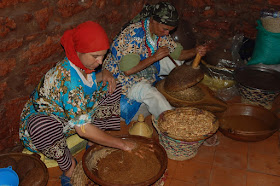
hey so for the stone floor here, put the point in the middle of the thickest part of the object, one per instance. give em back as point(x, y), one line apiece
point(231, 163)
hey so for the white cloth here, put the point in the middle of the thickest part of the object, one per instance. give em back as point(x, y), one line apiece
point(87, 81)
point(144, 92)
point(166, 65)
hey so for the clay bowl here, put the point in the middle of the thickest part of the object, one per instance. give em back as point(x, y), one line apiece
point(158, 150)
point(29, 168)
point(250, 123)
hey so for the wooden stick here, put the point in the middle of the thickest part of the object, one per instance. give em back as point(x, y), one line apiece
point(173, 61)
point(196, 61)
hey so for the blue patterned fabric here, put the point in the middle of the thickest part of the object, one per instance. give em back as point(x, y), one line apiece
point(63, 95)
point(132, 40)
point(128, 108)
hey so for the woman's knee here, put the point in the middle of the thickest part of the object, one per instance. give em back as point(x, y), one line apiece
point(118, 90)
point(42, 123)
point(153, 92)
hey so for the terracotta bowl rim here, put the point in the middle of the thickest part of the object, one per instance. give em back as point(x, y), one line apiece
point(276, 122)
point(149, 182)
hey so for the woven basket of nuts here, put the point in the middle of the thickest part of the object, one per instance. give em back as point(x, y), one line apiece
point(183, 130)
point(188, 124)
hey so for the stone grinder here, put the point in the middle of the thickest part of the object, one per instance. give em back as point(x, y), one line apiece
point(184, 76)
point(182, 88)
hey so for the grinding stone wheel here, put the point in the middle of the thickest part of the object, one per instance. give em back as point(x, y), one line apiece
point(184, 76)
point(208, 101)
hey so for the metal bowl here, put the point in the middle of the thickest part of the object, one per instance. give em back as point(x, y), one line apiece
point(258, 85)
point(159, 151)
point(250, 123)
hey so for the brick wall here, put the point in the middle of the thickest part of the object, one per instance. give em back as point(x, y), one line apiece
point(30, 31)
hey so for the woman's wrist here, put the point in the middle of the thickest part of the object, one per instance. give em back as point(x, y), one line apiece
point(99, 76)
point(154, 58)
point(120, 144)
point(193, 51)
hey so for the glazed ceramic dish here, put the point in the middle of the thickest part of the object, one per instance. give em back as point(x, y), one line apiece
point(245, 122)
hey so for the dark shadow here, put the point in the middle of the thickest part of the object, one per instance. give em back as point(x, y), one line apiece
point(184, 35)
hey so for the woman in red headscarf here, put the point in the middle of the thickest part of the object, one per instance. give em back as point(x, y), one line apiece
point(72, 98)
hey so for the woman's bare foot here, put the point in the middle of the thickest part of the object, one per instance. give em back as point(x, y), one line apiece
point(90, 143)
point(70, 171)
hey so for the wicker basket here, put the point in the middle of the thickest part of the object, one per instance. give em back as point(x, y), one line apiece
point(258, 85)
point(181, 150)
point(257, 96)
point(188, 124)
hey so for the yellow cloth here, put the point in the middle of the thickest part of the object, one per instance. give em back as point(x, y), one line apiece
point(75, 144)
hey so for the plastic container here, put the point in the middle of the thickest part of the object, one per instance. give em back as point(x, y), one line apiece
point(8, 177)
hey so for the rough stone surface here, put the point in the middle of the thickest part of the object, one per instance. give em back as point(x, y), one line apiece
point(3, 87)
point(10, 44)
point(42, 17)
point(274, 2)
point(6, 25)
point(7, 66)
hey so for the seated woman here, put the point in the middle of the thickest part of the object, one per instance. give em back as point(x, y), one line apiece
point(139, 58)
point(72, 98)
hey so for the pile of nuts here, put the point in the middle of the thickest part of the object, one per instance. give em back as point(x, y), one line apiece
point(187, 122)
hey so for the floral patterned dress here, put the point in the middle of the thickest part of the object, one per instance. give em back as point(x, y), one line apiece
point(134, 39)
point(63, 95)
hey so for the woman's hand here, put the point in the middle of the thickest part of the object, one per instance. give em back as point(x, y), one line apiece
point(144, 148)
point(94, 134)
point(128, 145)
point(201, 50)
point(108, 77)
point(161, 53)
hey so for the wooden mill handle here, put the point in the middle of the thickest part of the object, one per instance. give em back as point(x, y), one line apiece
point(196, 61)
point(173, 61)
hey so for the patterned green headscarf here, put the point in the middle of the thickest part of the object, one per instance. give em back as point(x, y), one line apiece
point(165, 13)
point(162, 12)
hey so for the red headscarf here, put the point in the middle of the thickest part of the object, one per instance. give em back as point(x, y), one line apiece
point(85, 38)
